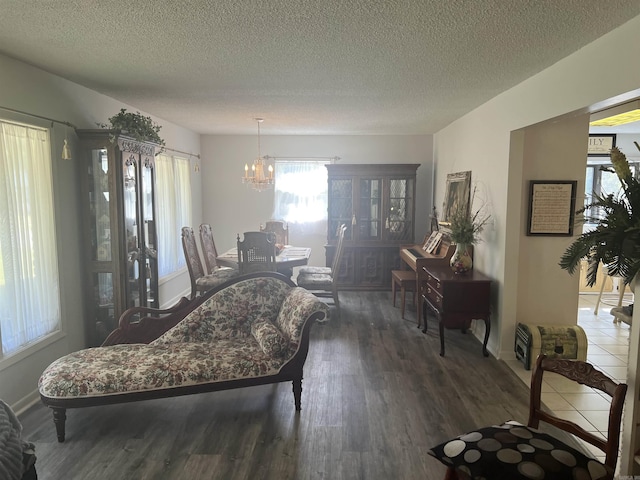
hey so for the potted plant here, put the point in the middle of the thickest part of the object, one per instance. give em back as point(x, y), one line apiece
point(465, 230)
point(615, 240)
point(136, 125)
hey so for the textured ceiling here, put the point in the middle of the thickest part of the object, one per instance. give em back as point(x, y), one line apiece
point(306, 66)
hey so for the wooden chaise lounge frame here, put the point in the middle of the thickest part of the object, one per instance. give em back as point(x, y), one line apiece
point(155, 322)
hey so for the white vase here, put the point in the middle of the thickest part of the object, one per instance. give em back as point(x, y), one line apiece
point(461, 261)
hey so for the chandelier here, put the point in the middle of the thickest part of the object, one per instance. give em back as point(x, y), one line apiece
point(258, 178)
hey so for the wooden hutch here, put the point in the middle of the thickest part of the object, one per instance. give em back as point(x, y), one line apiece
point(377, 203)
point(121, 261)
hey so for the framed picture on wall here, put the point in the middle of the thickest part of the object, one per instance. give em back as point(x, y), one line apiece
point(552, 205)
point(457, 195)
point(600, 144)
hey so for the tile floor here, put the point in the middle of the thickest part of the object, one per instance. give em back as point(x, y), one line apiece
point(607, 350)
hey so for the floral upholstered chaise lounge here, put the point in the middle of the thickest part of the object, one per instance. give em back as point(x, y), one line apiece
point(252, 330)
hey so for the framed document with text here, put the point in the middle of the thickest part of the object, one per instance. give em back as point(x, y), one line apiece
point(552, 206)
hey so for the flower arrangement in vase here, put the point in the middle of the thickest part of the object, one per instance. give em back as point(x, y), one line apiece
point(465, 230)
point(615, 240)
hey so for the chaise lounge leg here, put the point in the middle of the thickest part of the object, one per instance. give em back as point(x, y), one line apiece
point(59, 417)
point(297, 393)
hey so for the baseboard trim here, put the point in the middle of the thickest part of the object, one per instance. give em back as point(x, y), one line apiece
point(25, 403)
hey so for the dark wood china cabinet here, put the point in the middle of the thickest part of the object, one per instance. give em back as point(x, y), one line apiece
point(121, 261)
point(377, 203)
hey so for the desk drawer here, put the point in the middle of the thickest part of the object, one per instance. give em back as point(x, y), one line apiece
point(434, 283)
point(433, 296)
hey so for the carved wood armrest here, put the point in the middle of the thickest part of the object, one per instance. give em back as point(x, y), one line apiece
point(152, 324)
point(147, 312)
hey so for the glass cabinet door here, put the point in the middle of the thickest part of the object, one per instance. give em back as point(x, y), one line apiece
point(100, 246)
point(100, 217)
point(399, 215)
point(340, 207)
point(369, 215)
point(130, 183)
point(150, 280)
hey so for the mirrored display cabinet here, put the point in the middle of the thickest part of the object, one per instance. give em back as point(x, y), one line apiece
point(118, 179)
point(377, 203)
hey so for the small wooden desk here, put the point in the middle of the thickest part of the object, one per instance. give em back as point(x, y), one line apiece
point(415, 258)
point(455, 300)
point(288, 258)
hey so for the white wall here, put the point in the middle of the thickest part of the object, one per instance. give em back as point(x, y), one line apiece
point(34, 91)
point(552, 151)
point(233, 208)
point(482, 141)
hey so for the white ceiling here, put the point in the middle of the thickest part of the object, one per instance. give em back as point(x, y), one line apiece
point(306, 66)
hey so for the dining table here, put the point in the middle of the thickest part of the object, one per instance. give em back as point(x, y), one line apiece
point(289, 257)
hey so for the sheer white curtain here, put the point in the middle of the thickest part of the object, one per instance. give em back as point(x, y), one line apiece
point(301, 194)
point(29, 282)
point(173, 210)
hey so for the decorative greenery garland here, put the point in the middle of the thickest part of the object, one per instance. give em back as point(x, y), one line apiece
point(136, 125)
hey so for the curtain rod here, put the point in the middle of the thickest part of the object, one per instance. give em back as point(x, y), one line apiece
point(335, 159)
point(179, 151)
point(68, 124)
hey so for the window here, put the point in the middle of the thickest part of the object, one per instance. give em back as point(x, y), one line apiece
point(29, 282)
point(600, 182)
point(301, 194)
point(173, 210)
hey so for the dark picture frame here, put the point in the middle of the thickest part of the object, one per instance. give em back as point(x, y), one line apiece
point(600, 144)
point(552, 205)
point(457, 195)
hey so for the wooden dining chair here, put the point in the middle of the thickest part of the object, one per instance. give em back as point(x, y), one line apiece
point(279, 228)
point(201, 282)
point(257, 252)
point(523, 452)
point(209, 251)
point(323, 281)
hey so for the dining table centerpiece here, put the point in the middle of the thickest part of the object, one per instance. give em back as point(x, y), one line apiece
point(615, 240)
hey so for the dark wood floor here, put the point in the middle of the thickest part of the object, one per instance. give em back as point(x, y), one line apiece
point(376, 396)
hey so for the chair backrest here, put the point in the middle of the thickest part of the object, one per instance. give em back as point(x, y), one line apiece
point(280, 229)
point(257, 252)
point(585, 374)
point(194, 264)
point(208, 247)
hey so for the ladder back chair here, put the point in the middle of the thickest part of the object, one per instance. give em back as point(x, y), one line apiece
point(279, 228)
point(209, 251)
point(200, 282)
point(524, 452)
point(257, 252)
point(323, 281)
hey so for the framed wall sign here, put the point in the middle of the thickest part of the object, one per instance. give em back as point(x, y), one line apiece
point(552, 206)
point(600, 144)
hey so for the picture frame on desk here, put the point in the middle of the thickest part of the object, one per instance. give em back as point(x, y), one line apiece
point(429, 240)
point(433, 243)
